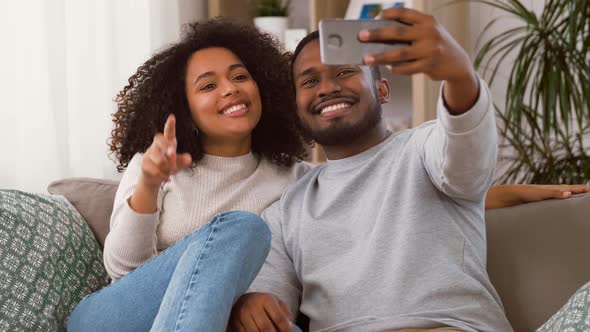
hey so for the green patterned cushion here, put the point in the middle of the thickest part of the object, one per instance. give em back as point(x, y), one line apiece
point(49, 260)
point(574, 316)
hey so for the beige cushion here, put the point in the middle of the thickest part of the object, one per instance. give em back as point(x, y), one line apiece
point(93, 198)
point(538, 257)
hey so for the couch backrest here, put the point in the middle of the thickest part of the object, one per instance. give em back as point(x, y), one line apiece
point(93, 198)
point(538, 257)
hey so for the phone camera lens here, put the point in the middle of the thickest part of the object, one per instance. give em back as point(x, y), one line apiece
point(334, 41)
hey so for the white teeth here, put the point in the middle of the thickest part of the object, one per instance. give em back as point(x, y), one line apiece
point(336, 107)
point(234, 109)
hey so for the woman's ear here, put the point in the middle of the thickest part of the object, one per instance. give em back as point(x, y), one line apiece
point(383, 90)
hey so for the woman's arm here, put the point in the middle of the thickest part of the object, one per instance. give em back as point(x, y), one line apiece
point(514, 194)
point(132, 237)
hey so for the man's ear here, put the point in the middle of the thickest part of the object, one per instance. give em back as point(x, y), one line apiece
point(382, 86)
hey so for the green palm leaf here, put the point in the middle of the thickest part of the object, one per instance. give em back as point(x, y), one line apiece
point(546, 118)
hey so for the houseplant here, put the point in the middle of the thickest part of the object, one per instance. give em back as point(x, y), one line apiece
point(545, 123)
point(272, 17)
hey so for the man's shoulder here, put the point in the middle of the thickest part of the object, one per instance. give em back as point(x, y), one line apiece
point(300, 168)
point(420, 133)
point(310, 176)
point(408, 140)
point(291, 199)
point(299, 188)
point(293, 172)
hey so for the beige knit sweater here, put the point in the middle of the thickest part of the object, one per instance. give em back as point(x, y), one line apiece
point(190, 200)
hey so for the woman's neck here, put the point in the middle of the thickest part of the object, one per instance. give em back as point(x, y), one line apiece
point(227, 148)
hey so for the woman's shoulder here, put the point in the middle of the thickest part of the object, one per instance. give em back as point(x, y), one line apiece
point(133, 168)
point(136, 159)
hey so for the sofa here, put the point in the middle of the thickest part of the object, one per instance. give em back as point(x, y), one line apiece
point(537, 252)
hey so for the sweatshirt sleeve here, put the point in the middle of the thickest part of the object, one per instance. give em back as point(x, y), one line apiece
point(132, 237)
point(459, 151)
point(277, 275)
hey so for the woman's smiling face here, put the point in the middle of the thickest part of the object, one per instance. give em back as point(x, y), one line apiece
point(222, 95)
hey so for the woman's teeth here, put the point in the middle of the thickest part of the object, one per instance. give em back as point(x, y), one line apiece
point(333, 108)
point(234, 109)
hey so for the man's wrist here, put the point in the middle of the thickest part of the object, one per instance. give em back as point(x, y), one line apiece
point(467, 76)
point(461, 93)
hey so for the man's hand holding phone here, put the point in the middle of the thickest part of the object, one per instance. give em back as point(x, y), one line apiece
point(432, 51)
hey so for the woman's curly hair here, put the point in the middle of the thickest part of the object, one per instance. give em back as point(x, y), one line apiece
point(157, 89)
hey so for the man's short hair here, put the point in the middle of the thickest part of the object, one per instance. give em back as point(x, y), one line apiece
point(316, 35)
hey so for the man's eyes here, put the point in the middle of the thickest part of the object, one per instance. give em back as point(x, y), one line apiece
point(309, 81)
point(345, 72)
point(341, 73)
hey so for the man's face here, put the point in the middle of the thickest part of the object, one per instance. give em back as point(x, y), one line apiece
point(336, 104)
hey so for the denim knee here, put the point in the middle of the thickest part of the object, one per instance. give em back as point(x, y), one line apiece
point(80, 317)
point(73, 323)
point(249, 225)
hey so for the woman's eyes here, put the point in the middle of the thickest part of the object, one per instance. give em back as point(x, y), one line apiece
point(208, 87)
point(241, 77)
point(211, 86)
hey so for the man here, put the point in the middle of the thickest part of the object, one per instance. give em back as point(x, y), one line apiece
point(388, 234)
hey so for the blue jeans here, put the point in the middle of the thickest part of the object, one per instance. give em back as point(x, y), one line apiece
point(191, 286)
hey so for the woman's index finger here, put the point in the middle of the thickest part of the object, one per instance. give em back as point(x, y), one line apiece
point(170, 127)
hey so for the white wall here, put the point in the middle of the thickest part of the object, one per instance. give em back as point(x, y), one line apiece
point(61, 64)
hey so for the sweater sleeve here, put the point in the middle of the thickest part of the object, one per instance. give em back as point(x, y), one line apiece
point(277, 275)
point(132, 237)
point(459, 151)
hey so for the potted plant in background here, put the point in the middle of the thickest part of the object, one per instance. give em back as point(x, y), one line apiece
point(546, 119)
point(272, 16)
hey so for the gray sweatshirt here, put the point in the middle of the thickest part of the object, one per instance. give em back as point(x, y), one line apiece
point(393, 237)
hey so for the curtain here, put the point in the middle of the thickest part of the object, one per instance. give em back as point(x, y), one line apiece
point(61, 64)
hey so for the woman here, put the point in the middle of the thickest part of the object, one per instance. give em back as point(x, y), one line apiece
point(230, 141)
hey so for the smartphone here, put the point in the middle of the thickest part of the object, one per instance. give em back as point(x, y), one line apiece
point(339, 43)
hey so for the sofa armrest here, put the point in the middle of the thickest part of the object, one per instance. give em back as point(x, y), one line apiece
point(538, 257)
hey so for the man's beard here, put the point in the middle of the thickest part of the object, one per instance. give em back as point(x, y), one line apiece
point(339, 133)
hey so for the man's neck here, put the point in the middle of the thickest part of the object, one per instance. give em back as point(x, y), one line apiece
point(377, 135)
